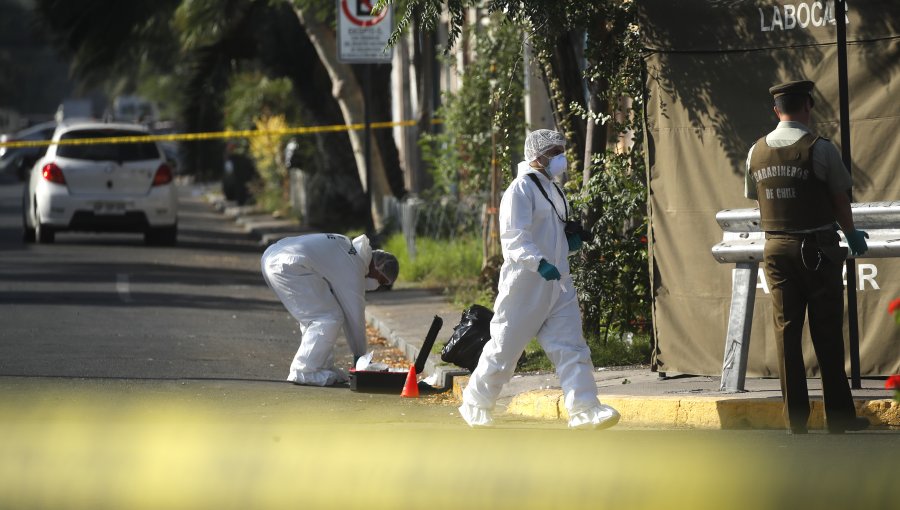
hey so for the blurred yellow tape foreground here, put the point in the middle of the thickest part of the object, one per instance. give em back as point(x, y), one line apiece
point(217, 135)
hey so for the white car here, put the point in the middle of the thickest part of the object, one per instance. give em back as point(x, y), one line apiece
point(101, 187)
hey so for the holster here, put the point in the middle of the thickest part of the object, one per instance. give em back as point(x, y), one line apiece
point(827, 242)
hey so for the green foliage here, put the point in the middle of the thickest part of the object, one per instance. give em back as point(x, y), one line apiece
point(202, 22)
point(427, 14)
point(611, 274)
point(252, 94)
point(266, 152)
point(162, 89)
point(534, 359)
point(250, 103)
point(110, 37)
point(487, 112)
point(323, 12)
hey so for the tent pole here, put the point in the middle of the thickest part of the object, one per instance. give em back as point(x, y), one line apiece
point(853, 325)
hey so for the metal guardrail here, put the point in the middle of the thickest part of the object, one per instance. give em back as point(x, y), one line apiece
point(742, 245)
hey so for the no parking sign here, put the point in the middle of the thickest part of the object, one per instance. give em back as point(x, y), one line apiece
point(363, 36)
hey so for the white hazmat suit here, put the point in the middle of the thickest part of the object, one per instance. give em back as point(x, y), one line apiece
point(321, 280)
point(529, 306)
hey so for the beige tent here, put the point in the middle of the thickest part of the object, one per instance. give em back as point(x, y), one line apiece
point(709, 65)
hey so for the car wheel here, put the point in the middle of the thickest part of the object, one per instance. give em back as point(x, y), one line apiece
point(162, 236)
point(27, 232)
point(43, 234)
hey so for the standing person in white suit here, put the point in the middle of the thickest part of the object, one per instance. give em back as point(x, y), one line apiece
point(536, 295)
point(321, 279)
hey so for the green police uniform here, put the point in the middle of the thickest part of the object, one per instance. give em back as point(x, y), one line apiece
point(792, 173)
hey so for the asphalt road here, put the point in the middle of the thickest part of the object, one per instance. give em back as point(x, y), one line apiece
point(107, 306)
point(138, 377)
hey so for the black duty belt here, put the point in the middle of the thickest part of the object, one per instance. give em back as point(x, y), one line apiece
point(781, 233)
point(815, 247)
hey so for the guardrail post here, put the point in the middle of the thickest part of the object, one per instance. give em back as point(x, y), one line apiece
point(740, 320)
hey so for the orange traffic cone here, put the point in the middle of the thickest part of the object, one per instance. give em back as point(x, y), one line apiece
point(411, 388)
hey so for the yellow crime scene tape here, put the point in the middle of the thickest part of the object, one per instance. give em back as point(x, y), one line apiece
point(215, 135)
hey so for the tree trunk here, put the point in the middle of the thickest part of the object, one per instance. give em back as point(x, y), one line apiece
point(380, 111)
point(566, 68)
point(349, 95)
point(336, 196)
point(424, 62)
point(401, 91)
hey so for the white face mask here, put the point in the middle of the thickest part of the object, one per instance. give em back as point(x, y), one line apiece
point(372, 284)
point(557, 165)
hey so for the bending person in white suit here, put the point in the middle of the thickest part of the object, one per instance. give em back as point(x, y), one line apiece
point(322, 279)
point(536, 295)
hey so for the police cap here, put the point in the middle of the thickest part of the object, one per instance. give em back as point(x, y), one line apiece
point(792, 87)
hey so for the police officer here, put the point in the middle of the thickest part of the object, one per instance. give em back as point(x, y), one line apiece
point(802, 188)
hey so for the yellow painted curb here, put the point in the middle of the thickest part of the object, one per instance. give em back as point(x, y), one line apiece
point(697, 411)
point(547, 404)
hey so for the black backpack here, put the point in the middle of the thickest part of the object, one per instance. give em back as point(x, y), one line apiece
point(469, 337)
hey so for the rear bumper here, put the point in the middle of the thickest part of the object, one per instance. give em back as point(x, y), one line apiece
point(87, 221)
point(62, 211)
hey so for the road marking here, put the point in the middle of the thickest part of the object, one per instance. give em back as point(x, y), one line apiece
point(123, 288)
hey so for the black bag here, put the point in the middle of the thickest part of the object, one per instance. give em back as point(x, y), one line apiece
point(468, 338)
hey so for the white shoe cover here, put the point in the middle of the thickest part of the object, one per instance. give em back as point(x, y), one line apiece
point(598, 418)
point(476, 416)
point(319, 377)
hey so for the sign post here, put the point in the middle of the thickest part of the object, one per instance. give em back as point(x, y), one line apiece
point(362, 35)
point(362, 38)
point(843, 89)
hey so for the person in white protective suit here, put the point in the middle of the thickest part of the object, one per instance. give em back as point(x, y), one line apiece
point(536, 295)
point(321, 279)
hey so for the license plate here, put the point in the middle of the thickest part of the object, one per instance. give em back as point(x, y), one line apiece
point(109, 208)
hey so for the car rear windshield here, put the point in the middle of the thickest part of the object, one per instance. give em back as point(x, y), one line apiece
point(106, 151)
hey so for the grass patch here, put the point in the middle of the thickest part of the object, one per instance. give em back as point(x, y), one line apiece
point(449, 264)
point(616, 351)
point(534, 359)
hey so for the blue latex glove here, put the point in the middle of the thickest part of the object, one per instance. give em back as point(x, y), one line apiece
point(548, 271)
point(575, 242)
point(856, 240)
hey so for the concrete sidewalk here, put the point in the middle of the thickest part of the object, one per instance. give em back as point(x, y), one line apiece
point(644, 399)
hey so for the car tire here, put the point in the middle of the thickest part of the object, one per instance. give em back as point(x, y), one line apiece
point(43, 234)
point(162, 236)
point(28, 234)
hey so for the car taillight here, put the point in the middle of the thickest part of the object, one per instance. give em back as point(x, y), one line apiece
point(163, 175)
point(52, 173)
